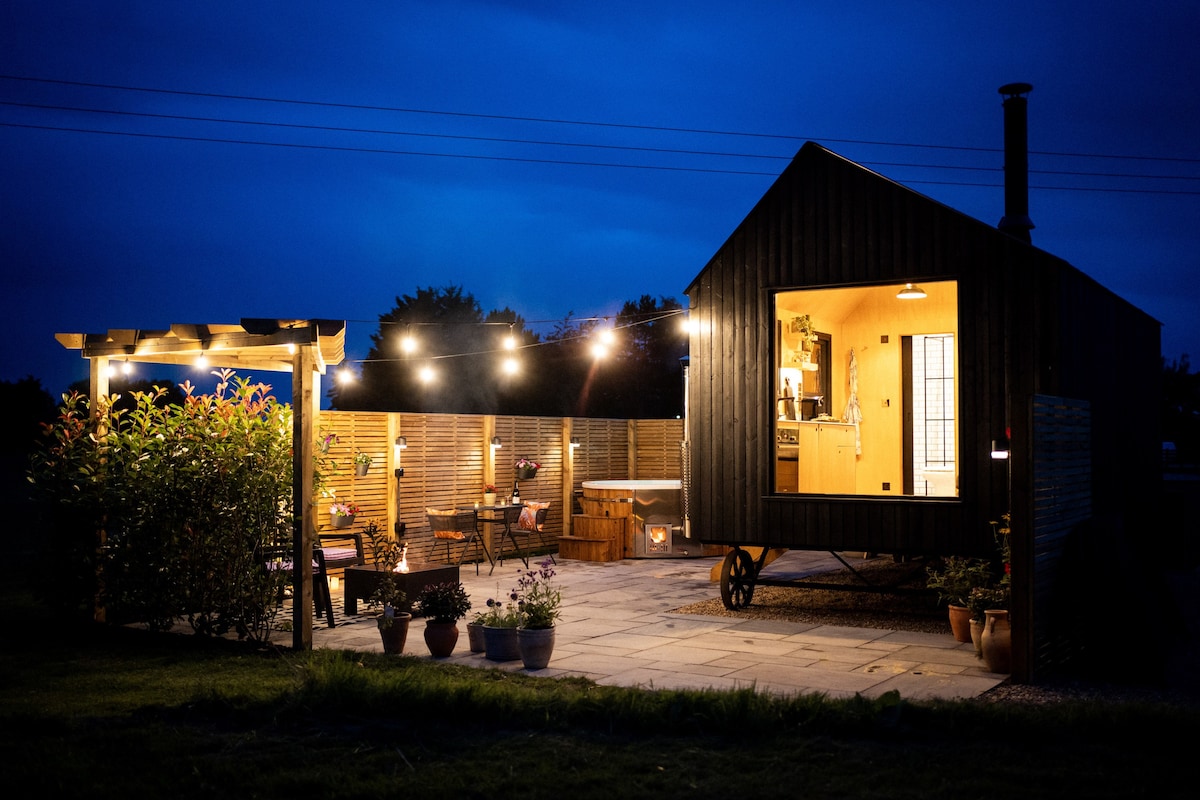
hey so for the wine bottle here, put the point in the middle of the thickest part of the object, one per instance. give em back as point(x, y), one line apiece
point(516, 495)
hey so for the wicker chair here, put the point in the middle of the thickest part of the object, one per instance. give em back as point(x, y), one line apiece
point(459, 527)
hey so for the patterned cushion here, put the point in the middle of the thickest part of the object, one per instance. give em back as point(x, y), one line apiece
point(529, 515)
point(444, 534)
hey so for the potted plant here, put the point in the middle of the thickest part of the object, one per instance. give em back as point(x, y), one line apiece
point(539, 602)
point(489, 494)
point(341, 515)
point(394, 621)
point(325, 440)
point(475, 632)
point(442, 605)
point(953, 579)
point(527, 469)
point(500, 623)
point(362, 463)
point(995, 641)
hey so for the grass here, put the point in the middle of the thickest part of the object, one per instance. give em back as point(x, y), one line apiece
point(105, 712)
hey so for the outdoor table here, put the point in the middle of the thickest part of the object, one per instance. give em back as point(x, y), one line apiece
point(361, 581)
point(501, 514)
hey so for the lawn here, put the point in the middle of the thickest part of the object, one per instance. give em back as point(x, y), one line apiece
point(107, 712)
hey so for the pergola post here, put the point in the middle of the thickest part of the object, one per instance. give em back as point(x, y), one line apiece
point(305, 408)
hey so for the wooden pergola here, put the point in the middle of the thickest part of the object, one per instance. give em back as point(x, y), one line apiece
point(305, 348)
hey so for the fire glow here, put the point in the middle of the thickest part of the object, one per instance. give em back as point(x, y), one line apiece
point(403, 565)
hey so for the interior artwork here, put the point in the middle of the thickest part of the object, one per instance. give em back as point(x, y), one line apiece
point(844, 387)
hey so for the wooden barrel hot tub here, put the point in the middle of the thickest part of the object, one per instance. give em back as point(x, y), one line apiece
point(610, 528)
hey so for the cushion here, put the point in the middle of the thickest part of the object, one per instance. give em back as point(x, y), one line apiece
point(527, 522)
point(444, 534)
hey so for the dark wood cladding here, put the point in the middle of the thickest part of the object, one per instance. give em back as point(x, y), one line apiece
point(1028, 323)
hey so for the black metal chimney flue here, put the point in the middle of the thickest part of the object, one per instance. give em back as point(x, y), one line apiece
point(1016, 221)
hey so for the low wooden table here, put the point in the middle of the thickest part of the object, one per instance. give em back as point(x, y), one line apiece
point(359, 582)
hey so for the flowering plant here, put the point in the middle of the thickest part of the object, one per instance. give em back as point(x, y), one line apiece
point(444, 602)
point(525, 463)
point(362, 458)
point(539, 599)
point(489, 488)
point(343, 509)
point(502, 613)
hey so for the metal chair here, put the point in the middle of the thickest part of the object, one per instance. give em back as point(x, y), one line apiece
point(280, 558)
point(527, 523)
point(461, 527)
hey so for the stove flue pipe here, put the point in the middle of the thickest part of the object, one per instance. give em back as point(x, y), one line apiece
point(1016, 221)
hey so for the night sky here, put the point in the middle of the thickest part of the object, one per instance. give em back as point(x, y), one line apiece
point(205, 162)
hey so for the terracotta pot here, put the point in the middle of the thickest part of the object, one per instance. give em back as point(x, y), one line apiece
point(500, 644)
point(960, 623)
point(536, 645)
point(440, 637)
point(395, 635)
point(475, 636)
point(996, 642)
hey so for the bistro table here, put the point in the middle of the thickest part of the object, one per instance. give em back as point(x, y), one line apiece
point(505, 514)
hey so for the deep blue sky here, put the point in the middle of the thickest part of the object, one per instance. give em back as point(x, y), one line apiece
point(103, 231)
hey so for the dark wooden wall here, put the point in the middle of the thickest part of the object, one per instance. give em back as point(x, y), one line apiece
point(1022, 313)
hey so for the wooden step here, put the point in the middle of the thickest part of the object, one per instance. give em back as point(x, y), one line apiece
point(582, 549)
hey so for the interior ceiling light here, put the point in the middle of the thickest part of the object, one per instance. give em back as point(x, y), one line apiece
point(910, 292)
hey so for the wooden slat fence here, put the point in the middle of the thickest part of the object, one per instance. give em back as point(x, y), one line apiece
point(449, 458)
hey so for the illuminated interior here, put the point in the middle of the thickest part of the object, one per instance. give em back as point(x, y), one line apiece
point(897, 434)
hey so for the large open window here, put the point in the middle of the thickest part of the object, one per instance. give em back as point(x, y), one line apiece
point(866, 391)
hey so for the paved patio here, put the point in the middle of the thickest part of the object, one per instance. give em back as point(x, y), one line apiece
point(617, 628)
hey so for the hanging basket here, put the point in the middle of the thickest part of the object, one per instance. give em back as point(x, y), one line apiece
point(341, 520)
point(526, 473)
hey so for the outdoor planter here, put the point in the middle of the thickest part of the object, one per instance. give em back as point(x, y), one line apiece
point(500, 644)
point(393, 631)
point(341, 520)
point(440, 637)
point(526, 473)
point(535, 645)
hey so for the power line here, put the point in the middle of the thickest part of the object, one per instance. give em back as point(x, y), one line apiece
point(554, 121)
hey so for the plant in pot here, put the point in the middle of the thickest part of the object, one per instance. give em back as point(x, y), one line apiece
point(953, 579)
point(489, 494)
point(362, 463)
point(396, 615)
point(341, 515)
point(500, 623)
point(539, 603)
point(527, 469)
point(442, 605)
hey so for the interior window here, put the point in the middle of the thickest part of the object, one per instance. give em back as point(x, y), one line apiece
point(865, 391)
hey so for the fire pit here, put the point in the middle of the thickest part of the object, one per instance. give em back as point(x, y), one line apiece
point(360, 581)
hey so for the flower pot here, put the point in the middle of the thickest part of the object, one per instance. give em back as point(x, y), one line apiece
point(996, 642)
point(960, 623)
point(361, 469)
point(341, 520)
point(489, 498)
point(395, 634)
point(500, 644)
point(440, 637)
point(535, 645)
point(977, 636)
point(526, 474)
point(475, 636)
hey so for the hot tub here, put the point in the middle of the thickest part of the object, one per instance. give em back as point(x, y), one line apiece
point(652, 510)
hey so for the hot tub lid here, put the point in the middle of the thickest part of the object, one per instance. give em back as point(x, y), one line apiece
point(633, 484)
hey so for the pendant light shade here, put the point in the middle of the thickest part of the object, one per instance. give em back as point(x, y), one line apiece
point(911, 292)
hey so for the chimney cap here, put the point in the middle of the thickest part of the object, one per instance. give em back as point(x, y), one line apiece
point(1016, 88)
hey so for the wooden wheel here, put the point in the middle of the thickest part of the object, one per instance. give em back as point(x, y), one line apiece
point(737, 579)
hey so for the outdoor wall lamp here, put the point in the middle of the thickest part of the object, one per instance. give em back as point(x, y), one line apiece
point(1000, 449)
point(496, 445)
point(574, 442)
point(399, 445)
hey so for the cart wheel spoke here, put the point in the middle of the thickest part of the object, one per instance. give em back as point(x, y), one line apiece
point(737, 579)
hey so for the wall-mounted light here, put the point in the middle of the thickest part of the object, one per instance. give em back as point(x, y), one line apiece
point(574, 442)
point(1000, 449)
point(496, 445)
point(398, 446)
point(911, 292)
